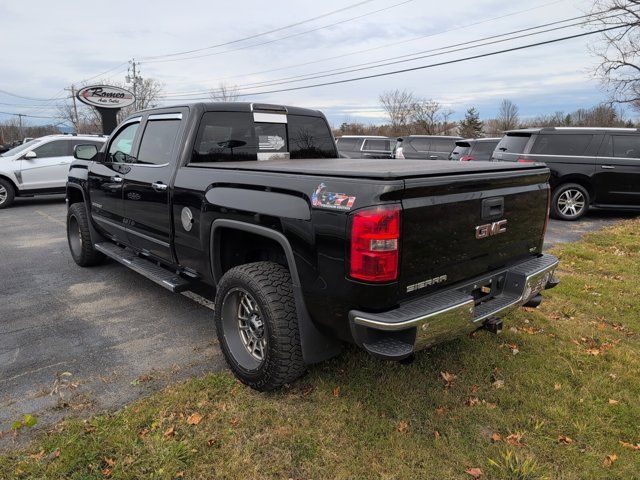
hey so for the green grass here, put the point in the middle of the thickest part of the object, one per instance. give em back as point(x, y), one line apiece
point(576, 352)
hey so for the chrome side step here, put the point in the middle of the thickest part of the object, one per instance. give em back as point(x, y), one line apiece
point(163, 277)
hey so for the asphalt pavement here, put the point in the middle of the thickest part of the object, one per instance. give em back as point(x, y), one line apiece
point(78, 341)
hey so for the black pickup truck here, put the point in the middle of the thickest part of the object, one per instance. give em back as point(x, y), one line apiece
point(304, 250)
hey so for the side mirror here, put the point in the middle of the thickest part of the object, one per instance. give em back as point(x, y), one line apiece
point(85, 152)
point(30, 155)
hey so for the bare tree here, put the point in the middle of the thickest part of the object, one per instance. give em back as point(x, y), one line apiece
point(224, 93)
point(508, 118)
point(426, 114)
point(398, 105)
point(619, 49)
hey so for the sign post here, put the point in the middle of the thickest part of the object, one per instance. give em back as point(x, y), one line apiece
point(108, 101)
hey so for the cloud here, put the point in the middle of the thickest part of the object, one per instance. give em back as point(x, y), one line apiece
point(47, 46)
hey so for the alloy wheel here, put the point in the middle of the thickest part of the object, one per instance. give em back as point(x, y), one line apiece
point(571, 202)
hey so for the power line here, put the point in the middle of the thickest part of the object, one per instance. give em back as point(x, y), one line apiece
point(395, 60)
point(432, 65)
point(281, 38)
point(250, 37)
point(387, 45)
point(27, 116)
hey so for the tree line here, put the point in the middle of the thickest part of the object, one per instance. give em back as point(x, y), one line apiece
point(408, 114)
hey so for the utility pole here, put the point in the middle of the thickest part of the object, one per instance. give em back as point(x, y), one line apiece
point(134, 78)
point(75, 107)
point(20, 115)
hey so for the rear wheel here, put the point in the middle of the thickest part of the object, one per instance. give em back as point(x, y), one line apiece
point(7, 193)
point(79, 237)
point(570, 202)
point(257, 325)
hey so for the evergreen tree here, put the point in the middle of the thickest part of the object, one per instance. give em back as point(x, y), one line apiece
point(471, 125)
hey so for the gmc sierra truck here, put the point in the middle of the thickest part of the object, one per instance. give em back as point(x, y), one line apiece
point(304, 250)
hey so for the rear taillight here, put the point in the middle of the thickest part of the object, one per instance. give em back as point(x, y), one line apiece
point(524, 160)
point(399, 153)
point(375, 235)
point(466, 158)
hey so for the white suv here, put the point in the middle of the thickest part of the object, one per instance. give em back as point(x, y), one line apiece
point(39, 166)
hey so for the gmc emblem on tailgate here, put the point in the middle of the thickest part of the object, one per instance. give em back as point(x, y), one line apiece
point(491, 229)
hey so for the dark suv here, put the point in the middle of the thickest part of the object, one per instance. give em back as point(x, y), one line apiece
point(425, 147)
point(474, 149)
point(365, 146)
point(598, 167)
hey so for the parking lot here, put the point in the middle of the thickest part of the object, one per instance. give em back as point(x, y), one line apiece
point(117, 334)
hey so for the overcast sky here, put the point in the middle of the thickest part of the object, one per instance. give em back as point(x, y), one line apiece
point(45, 46)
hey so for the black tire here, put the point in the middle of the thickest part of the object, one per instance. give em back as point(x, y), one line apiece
point(79, 237)
point(269, 285)
point(7, 193)
point(570, 201)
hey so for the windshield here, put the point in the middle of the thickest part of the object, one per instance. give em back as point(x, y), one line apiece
point(19, 148)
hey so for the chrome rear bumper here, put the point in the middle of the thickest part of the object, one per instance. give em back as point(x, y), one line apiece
point(429, 320)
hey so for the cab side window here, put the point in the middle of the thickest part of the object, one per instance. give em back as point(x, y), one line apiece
point(122, 144)
point(626, 146)
point(158, 141)
point(57, 148)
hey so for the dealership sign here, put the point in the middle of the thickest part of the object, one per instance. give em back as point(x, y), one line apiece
point(105, 96)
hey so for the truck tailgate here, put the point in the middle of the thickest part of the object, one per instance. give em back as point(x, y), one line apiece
point(453, 227)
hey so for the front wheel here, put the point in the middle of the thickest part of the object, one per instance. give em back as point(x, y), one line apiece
point(7, 193)
point(79, 237)
point(257, 325)
point(570, 202)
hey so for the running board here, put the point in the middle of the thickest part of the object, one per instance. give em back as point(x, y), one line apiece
point(163, 277)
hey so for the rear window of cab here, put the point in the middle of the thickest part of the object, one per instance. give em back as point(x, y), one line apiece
point(235, 137)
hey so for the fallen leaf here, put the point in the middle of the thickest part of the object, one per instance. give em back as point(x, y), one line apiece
point(474, 388)
point(336, 391)
point(609, 459)
point(449, 378)
point(593, 351)
point(54, 454)
point(514, 439)
point(489, 404)
point(496, 437)
point(436, 434)
point(557, 386)
point(107, 471)
point(474, 472)
point(38, 456)
point(211, 441)
point(498, 384)
point(234, 421)
point(169, 432)
point(613, 402)
point(179, 474)
point(472, 401)
point(441, 410)
point(631, 445)
point(194, 419)
point(306, 391)
point(110, 461)
point(143, 433)
point(564, 440)
point(403, 427)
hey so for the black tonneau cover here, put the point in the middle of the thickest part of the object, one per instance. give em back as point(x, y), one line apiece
point(372, 168)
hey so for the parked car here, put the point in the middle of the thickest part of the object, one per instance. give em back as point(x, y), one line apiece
point(302, 248)
point(39, 166)
point(365, 146)
point(590, 167)
point(425, 147)
point(474, 149)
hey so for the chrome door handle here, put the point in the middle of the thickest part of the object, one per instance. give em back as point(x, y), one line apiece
point(433, 157)
point(159, 186)
point(117, 179)
point(607, 167)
